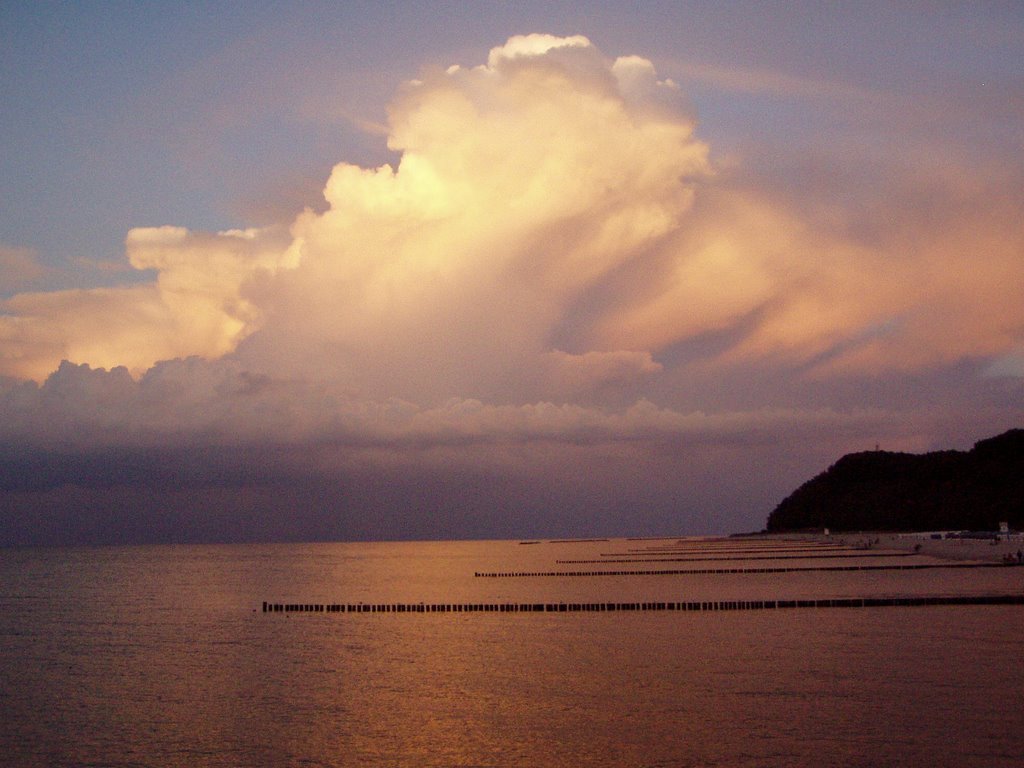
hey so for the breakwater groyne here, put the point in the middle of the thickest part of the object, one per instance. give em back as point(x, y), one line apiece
point(687, 606)
point(718, 558)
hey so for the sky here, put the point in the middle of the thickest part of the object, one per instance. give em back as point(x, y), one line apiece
point(350, 271)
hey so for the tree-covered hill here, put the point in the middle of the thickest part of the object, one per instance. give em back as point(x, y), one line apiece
point(884, 491)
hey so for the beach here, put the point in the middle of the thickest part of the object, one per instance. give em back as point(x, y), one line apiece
point(926, 543)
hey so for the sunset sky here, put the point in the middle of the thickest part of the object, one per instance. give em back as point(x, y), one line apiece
point(275, 271)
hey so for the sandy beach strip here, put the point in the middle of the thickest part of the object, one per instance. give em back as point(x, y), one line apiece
point(968, 549)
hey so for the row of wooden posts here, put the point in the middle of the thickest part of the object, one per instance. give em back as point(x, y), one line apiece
point(717, 558)
point(703, 605)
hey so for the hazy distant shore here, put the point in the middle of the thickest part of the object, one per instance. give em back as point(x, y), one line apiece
point(985, 550)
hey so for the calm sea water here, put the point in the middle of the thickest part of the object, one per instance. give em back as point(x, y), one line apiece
point(160, 656)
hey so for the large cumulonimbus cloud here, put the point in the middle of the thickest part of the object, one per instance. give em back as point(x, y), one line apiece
point(553, 231)
point(522, 185)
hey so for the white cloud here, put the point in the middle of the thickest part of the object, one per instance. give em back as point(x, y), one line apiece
point(532, 46)
point(522, 185)
point(195, 307)
point(553, 230)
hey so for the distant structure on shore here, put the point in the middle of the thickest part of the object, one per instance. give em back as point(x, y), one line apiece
point(885, 491)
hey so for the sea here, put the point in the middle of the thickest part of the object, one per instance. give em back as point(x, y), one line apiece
point(666, 653)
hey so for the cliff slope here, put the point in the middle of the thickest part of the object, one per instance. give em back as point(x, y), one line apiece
point(883, 491)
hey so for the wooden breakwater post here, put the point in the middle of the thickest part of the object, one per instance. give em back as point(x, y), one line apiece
point(688, 606)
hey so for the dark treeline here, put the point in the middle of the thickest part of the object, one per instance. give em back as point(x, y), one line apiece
point(882, 491)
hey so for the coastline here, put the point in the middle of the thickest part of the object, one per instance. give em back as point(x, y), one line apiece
point(979, 550)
